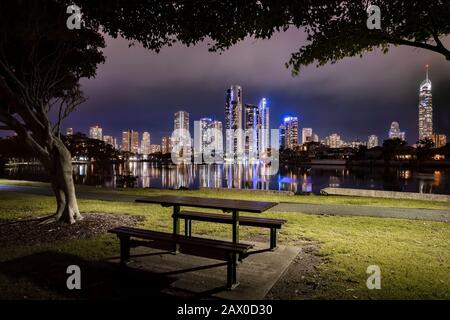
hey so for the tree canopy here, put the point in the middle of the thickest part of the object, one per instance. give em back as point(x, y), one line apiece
point(335, 28)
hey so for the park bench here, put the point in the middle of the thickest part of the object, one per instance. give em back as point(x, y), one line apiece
point(208, 248)
point(269, 223)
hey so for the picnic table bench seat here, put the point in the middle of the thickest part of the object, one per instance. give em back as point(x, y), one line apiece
point(208, 248)
point(261, 222)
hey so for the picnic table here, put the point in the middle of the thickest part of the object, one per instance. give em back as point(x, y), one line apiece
point(227, 251)
point(226, 205)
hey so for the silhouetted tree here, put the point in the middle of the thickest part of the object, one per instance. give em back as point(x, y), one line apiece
point(41, 63)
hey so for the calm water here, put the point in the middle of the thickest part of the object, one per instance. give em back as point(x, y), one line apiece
point(297, 179)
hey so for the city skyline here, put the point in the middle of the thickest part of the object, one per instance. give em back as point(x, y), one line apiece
point(242, 115)
point(154, 86)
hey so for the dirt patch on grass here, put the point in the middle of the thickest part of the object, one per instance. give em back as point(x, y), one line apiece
point(35, 232)
point(301, 280)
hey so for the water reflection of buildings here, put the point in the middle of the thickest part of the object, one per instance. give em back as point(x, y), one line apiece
point(210, 176)
point(175, 177)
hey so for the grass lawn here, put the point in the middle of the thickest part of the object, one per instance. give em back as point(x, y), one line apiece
point(414, 256)
point(239, 194)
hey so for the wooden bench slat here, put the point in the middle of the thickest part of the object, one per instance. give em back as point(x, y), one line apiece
point(222, 218)
point(181, 239)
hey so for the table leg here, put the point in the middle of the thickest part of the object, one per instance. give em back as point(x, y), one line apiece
point(176, 225)
point(235, 226)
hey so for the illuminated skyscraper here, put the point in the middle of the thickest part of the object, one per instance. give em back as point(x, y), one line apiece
point(145, 143)
point(263, 128)
point(96, 133)
point(217, 140)
point(130, 141)
point(372, 142)
point(233, 121)
point(333, 141)
point(202, 136)
point(181, 138)
point(251, 128)
point(155, 148)
point(307, 135)
point(439, 140)
point(425, 110)
point(110, 140)
point(166, 145)
point(282, 135)
point(257, 138)
point(395, 133)
point(181, 120)
point(291, 132)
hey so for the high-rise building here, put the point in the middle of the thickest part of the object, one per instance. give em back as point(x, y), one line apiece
point(263, 128)
point(251, 127)
point(217, 139)
point(155, 148)
point(357, 144)
point(181, 120)
point(69, 132)
point(181, 138)
point(145, 143)
point(395, 133)
point(307, 135)
point(315, 137)
point(372, 142)
point(439, 140)
point(202, 136)
point(233, 122)
point(333, 141)
point(110, 140)
point(291, 132)
point(125, 141)
point(166, 145)
point(134, 143)
point(130, 141)
point(96, 132)
point(425, 109)
point(282, 135)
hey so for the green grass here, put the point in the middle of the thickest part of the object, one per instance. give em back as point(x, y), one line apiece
point(243, 195)
point(414, 256)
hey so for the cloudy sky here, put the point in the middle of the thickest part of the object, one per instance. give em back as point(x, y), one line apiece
point(138, 89)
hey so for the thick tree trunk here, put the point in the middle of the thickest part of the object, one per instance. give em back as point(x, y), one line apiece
point(59, 167)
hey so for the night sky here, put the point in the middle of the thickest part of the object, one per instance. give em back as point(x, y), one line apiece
point(138, 89)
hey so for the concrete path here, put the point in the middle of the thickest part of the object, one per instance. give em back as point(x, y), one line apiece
point(320, 209)
point(202, 278)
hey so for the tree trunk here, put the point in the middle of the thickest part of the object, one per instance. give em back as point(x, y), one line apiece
point(59, 167)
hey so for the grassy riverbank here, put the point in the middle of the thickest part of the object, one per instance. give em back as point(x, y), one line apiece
point(414, 256)
point(243, 195)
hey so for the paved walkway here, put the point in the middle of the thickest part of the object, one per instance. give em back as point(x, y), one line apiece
point(196, 277)
point(320, 209)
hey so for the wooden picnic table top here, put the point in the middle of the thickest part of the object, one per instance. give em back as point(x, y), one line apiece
point(209, 203)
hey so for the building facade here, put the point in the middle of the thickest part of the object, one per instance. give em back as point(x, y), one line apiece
point(372, 142)
point(130, 141)
point(307, 135)
point(290, 125)
point(425, 110)
point(96, 132)
point(145, 143)
point(439, 140)
point(233, 124)
point(395, 133)
point(166, 145)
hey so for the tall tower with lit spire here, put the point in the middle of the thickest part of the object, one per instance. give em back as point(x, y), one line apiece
point(425, 109)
